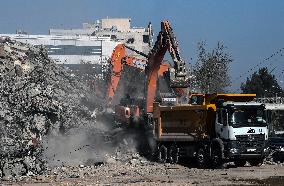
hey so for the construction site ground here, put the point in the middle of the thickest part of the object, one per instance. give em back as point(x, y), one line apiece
point(147, 173)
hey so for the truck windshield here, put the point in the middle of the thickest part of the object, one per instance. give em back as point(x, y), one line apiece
point(247, 117)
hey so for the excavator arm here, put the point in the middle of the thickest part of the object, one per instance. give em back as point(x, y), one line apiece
point(166, 41)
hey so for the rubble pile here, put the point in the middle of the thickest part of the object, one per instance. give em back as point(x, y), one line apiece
point(37, 97)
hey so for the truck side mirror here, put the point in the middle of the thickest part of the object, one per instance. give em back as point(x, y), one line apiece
point(225, 117)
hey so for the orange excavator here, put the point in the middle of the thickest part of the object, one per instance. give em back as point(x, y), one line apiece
point(129, 109)
point(177, 76)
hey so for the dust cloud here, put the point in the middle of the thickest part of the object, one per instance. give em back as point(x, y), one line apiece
point(87, 145)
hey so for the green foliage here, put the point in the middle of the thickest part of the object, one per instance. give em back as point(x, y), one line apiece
point(211, 69)
point(263, 84)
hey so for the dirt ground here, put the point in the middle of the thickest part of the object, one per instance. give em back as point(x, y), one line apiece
point(140, 172)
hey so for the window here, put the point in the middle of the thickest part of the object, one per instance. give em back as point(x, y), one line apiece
point(247, 117)
point(145, 38)
point(130, 41)
point(127, 112)
point(113, 37)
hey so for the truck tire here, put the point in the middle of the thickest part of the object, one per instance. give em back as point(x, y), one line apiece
point(256, 162)
point(240, 163)
point(202, 157)
point(152, 147)
point(174, 154)
point(162, 154)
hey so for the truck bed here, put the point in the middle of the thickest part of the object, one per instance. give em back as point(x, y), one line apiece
point(182, 122)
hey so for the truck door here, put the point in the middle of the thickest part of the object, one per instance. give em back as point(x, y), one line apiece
point(221, 124)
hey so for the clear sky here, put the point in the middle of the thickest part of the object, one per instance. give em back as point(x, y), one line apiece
point(251, 29)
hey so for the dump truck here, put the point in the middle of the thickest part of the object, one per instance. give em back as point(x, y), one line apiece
point(213, 129)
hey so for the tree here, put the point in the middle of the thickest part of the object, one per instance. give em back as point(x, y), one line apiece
point(263, 84)
point(212, 68)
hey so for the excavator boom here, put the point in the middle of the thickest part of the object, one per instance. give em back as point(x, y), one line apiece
point(166, 41)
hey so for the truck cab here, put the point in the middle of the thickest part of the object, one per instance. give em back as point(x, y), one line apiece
point(242, 127)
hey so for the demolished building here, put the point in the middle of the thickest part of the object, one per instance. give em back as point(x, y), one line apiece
point(37, 97)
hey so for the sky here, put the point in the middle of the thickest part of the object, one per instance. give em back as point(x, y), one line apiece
point(252, 30)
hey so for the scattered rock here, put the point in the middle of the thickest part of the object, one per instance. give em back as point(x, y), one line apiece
point(81, 166)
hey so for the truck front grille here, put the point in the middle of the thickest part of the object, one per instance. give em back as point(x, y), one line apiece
point(251, 141)
point(250, 137)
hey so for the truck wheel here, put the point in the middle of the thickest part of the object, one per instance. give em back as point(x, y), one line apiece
point(256, 162)
point(162, 154)
point(240, 163)
point(152, 148)
point(216, 156)
point(202, 157)
point(174, 154)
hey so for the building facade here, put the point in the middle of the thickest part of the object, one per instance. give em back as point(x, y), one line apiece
point(91, 44)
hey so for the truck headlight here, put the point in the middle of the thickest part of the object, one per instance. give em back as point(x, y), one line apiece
point(266, 149)
point(234, 150)
point(281, 149)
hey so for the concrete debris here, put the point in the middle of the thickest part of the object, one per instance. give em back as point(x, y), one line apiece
point(38, 98)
